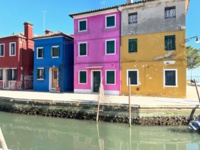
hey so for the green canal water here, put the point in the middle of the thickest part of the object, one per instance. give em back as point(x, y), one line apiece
point(23, 132)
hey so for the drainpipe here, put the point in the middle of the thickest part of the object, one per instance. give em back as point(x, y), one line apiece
point(118, 9)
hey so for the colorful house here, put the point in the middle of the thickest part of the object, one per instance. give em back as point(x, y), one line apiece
point(16, 60)
point(53, 62)
point(97, 50)
point(153, 53)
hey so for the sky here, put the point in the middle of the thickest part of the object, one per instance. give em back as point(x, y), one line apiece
point(54, 15)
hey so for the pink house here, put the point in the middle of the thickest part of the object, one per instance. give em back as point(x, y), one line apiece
point(97, 50)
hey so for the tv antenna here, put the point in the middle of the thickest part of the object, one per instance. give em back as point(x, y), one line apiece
point(44, 13)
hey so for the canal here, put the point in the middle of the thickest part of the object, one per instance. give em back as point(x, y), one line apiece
point(23, 132)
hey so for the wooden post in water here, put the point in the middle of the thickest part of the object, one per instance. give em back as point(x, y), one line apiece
point(197, 90)
point(2, 141)
point(129, 97)
point(100, 97)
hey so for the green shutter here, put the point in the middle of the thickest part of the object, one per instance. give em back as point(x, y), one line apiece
point(82, 25)
point(132, 45)
point(110, 21)
point(173, 42)
point(110, 77)
point(170, 42)
point(110, 47)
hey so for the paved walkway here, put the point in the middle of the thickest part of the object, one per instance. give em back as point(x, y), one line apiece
point(142, 101)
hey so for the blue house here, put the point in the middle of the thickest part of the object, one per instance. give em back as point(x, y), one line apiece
point(53, 62)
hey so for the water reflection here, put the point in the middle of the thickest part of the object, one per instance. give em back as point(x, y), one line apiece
point(40, 133)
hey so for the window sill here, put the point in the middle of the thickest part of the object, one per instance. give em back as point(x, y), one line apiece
point(40, 79)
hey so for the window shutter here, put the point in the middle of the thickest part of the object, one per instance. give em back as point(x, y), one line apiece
point(43, 73)
point(38, 73)
point(173, 42)
point(166, 43)
point(15, 74)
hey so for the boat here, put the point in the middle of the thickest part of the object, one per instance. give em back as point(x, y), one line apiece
point(195, 124)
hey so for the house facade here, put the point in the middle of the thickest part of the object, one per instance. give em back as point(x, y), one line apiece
point(97, 51)
point(16, 60)
point(53, 62)
point(153, 52)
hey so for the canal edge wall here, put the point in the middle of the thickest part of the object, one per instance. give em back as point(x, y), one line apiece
point(117, 113)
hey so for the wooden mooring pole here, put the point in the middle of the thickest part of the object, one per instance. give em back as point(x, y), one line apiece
point(197, 90)
point(2, 141)
point(129, 98)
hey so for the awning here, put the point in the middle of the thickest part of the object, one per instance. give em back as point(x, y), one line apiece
point(92, 67)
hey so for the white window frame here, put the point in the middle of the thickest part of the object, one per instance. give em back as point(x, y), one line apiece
point(41, 68)
point(10, 50)
point(52, 51)
point(79, 25)
point(114, 46)
point(79, 49)
point(2, 74)
point(176, 78)
point(106, 21)
point(127, 71)
point(37, 52)
point(79, 76)
point(3, 49)
point(106, 77)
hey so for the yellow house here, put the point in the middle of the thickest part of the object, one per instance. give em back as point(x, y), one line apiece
point(153, 52)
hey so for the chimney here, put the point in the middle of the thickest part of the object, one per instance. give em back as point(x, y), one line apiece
point(129, 1)
point(48, 31)
point(28, 30)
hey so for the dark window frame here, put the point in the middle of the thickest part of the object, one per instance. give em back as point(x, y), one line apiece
point(133, 82)
point(111, 81)
point(170, 42)
point(55, 52)
point(40, 52)
point(82, 81)
point(170, 77)
point(169, 10)
point(80, 49)
point(2, 50)
point(40, 73)
point(109, 50)
point(134, 48)
point(12, 74)
point(107, 21)
point(131, 16)
point(81, 29)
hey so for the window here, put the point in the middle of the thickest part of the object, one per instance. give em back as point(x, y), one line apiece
point(1, 50)
point(12, 49)
point(133, 75)
point(82, 25)
point(1, 74)
point(110, 21)
point(110, 47)
point(110, 77)
point(55, 51)
point(40, 52)
point(82, 49)
point(132, 45)
point(82, 77)
point(170, 12)
point(12, 74)
point(40, 73)
point(170, 77)
point(132, 18)
point(170, 43)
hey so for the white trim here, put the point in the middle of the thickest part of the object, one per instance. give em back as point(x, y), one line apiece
point(10, 48)
point(79, 49)
point(103, 12)
point(83, 91)
point(3, 49)
point(37, 53)
point(57, 46)
point(79, 76)
point(114, 46)
point(106, 21)
point(176, 77)
point(106, 77)
point(43, 72)
point(79, 25)
point(137, 77)
point(111, 92)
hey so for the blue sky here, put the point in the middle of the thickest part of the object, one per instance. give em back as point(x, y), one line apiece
point(14, 13)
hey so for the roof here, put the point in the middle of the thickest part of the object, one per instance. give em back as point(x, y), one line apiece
point(52, 34)
point(107, 8)
point(20, 35)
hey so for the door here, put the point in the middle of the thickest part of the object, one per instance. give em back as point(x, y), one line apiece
point(54, 77)
point(96, 81)
point(5, 79)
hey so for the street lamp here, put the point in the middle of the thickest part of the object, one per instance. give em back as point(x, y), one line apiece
point(196, 37)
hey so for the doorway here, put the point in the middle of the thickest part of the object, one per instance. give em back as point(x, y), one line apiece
point(54, 77)
point(96, 81)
